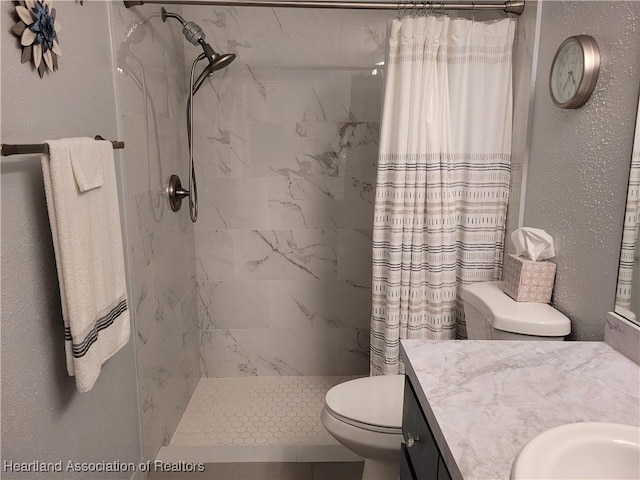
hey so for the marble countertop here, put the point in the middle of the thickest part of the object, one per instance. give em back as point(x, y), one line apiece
point(485, 400)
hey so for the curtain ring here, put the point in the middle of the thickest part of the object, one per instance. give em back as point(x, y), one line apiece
point(473, 11)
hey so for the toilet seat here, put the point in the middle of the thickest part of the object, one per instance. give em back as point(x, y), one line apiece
point(370, 403)
point(364, 426)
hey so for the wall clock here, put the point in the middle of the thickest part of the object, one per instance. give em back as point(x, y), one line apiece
point(574, 71)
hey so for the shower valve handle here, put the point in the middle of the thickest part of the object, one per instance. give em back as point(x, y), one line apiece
point(175, 192)
point(181, 193)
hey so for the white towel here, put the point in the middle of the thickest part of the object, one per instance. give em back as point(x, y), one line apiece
point(87, 241)
point(87, 163)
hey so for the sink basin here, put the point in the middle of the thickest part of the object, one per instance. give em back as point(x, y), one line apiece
point(581, 451)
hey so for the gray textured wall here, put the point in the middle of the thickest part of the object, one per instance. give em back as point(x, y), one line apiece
point(43, 416)
point(579, 159)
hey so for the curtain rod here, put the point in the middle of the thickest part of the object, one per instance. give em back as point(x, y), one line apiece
point(509, 6)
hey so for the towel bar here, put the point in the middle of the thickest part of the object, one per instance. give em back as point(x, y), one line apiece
point(35, 148)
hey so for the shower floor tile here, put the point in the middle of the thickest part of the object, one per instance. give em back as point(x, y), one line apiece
point(256, 411)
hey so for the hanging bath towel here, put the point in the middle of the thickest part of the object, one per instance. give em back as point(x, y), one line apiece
point(80, 186)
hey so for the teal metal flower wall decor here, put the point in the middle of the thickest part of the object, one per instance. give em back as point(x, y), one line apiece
point(38, 32)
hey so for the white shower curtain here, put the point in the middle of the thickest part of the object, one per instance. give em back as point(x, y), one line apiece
point(443, 177)
point(629, 249)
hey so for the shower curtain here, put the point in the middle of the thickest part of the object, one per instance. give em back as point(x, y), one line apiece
point(443, 177)
point(630, 230)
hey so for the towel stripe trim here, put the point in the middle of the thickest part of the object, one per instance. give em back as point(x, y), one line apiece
point(80, 349)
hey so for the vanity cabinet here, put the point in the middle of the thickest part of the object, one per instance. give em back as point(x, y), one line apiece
point(421, 458)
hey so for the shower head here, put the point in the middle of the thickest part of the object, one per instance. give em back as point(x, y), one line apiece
point(216, 63)
point(195, 35)
point(220, 61)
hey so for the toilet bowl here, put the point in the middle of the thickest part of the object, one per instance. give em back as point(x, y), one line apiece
point(491, 314)
point(365, 415)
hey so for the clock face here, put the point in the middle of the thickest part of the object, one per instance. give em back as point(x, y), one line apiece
point(567, 72)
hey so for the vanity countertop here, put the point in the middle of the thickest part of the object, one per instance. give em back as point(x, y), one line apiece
point(485, 400)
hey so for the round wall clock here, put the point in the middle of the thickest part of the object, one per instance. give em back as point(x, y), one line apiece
point(574, 71)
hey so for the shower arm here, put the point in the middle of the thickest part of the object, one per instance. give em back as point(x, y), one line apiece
point(164, 15)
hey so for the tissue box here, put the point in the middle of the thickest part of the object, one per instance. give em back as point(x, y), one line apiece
point(528, 281)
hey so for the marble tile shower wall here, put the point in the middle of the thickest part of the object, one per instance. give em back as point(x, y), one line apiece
point(149, 58)
point(286, 145)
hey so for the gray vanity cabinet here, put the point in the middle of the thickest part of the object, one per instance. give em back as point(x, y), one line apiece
point(421, 459)
point(443, 473)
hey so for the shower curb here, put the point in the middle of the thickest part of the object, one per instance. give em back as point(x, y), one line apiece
point(262, 454)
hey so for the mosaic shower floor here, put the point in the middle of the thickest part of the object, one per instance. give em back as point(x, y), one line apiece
point(256, 411)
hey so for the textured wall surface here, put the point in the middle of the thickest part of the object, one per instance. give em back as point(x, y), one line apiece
point(286, 145)
point(149, 57)
point(44, 418)
point(579, 159)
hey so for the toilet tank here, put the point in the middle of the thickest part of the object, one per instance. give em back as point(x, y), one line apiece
point(478, 327)
point(492, 314)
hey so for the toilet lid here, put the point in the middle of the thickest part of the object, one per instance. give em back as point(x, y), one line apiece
point(504, 313)
point(374, 401)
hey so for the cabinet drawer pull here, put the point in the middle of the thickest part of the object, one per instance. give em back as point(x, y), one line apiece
point(410, 439)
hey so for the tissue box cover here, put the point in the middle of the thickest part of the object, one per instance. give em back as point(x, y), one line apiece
point(528, 281)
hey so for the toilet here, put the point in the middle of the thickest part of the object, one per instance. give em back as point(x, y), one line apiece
point(491, 314)
point(365, 414)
